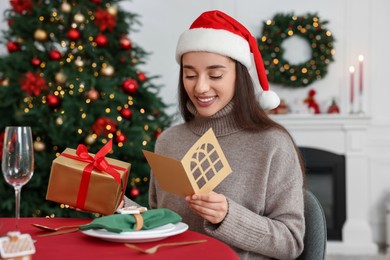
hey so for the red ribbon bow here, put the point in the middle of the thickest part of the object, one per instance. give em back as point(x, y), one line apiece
point(97, 162)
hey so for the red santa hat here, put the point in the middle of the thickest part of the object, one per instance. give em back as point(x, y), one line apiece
point(217, 32)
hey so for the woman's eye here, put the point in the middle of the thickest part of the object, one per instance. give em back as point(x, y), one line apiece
point(216, 77)
point(190, 76)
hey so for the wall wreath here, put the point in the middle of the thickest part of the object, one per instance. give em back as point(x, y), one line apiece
point(309, 27)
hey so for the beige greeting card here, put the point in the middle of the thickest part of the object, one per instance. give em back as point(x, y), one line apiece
point(202, 168)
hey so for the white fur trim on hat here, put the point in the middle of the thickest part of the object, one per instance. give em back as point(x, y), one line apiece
point(217, 41)
point(269, 100)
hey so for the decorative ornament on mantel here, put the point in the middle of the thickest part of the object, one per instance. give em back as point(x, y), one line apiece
point(310, 28)
point(333, 108)
point(311, 103)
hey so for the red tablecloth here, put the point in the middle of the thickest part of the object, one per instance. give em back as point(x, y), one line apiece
point(80, 246)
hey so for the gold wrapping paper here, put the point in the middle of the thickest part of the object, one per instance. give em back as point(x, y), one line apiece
point(104, 193)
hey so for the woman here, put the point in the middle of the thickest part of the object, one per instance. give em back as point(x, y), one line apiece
point(258, 209)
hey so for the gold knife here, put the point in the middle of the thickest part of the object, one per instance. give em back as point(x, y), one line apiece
point(59, 232)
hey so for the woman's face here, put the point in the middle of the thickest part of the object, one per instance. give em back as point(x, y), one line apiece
point(209, 80)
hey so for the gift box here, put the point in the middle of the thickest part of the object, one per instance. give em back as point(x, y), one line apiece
point(86, 181)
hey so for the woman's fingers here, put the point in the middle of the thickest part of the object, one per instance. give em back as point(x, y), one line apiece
point(211, 206)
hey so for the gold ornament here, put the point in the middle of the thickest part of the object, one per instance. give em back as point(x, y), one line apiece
point(39, 146)
point(60, 77)
point(79, 62)
point(112, 10)
point(108, 70)
point(40, 35)
point(5, 82)
point(59, 121)
point(79, 18)
point(90, 139)
point(66, 7)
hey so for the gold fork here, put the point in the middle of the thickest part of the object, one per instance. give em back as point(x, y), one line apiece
point(153, 249)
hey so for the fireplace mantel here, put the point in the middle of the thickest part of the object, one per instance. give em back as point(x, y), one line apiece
point(346, 135)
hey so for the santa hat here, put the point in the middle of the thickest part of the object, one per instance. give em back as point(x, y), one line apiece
point(217, 32)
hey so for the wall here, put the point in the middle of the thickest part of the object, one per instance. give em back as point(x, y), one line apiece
point(359, 27)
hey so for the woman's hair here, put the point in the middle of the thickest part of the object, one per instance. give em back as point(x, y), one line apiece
point(246, 109)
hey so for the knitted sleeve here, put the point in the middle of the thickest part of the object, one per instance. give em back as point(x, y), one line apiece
point(279, 231)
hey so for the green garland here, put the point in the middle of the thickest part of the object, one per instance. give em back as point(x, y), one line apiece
point(309, 27)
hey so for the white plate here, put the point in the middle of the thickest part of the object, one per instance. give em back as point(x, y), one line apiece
point(138, 236)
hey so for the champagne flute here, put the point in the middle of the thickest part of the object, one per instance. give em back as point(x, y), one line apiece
point(17, 161)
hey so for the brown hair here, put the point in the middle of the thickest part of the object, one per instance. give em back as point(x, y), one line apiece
point(248, 113)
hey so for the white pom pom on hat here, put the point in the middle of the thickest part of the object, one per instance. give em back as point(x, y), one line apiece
point(217, 32)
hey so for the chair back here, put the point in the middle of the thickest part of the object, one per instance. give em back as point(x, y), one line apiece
point(316, 234)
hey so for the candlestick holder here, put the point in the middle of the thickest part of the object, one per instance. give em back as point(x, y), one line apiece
point(360, 108)
point(351, 111)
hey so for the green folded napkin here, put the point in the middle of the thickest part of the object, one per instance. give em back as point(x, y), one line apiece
point(126, 223)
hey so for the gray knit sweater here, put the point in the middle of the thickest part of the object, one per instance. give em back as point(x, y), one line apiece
point(265, 217)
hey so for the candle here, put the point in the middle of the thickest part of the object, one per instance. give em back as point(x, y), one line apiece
point(352, 73)
point(361, 59)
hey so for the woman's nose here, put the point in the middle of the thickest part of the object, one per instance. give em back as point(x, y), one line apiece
point(202, 85)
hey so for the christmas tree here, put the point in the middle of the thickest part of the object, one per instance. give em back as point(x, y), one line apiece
point(73, 74)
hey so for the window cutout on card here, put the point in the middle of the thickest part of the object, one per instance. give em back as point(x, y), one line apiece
point(205, 164)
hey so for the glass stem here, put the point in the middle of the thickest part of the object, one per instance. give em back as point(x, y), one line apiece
point(17, 205)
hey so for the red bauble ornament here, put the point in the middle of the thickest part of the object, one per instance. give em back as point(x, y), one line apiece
point(130, 86)
point(104, 125)
point(125, 43)
point(52, 100)
point(74, 34)
point(101, 40)
point(120, 138)
point(134, 192)
point(126, 113)
point(93, 94)
point(55, 55)
point(157, 134)
point(141, 76)
point(13, 46)
point(36, 62)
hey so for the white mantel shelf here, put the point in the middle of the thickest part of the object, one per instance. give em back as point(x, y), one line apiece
point(343, 134)
point(311, 120)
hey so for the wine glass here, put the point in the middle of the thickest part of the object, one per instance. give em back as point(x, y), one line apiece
point(18, 160)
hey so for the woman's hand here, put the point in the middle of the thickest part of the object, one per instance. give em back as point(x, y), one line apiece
point(212, 207)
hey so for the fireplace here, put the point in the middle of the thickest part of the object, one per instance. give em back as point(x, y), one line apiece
point(325, 178)
point(345, 136)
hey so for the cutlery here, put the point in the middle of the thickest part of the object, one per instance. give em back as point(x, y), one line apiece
point(54, 229)
point(65, 231)
point(153, 249)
